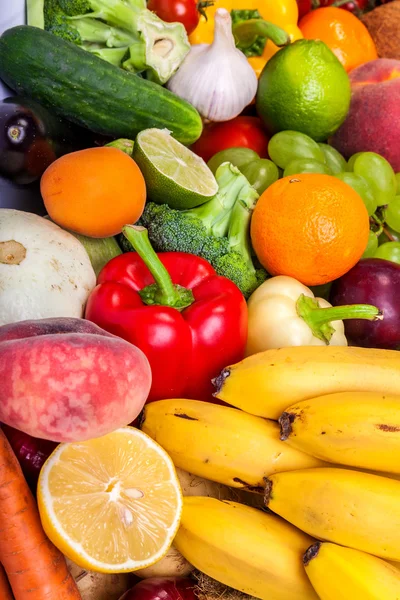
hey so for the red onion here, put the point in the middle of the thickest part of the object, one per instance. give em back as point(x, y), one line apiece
point(31, 452)
point(162, 588)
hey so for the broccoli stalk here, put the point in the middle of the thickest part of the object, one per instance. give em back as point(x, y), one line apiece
point(155, 47)
point(35, 13)
point(217, 231)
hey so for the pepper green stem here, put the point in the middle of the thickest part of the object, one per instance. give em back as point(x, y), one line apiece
point(319, 319)
point(163, 292)
point(247, 32)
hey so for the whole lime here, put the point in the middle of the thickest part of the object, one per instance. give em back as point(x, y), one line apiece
point(304, 87)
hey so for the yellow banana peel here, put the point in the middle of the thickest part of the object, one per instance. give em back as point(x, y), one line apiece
point(265, 384)
point(338, 573)
point(244, 548)
point(351, 508)
point(357, 429)
point(220, 443)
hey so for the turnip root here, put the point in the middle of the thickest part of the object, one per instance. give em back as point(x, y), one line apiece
point(44, 270)
point(99, 586)
point(69, 387)
point(174, 564)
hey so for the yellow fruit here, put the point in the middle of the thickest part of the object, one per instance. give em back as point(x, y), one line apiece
point(244, 548)
point(350, 508)
point(338, 573)
point(220, 443)
point(265, 384)
point(111, 504)
point(357, 429)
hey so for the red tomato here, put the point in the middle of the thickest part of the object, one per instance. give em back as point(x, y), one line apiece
point(242, 132)
point(304, 7)
point(177, 11)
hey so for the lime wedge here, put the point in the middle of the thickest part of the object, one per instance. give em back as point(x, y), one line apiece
point(174, 175)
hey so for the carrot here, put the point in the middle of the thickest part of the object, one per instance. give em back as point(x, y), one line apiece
point(5, 590)
point(36, 569)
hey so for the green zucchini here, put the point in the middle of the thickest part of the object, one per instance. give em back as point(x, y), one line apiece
point(87, 90)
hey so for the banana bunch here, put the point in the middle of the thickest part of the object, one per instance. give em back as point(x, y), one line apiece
point(318, 434)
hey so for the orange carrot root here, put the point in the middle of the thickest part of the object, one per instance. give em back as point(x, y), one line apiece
point(5, 590)
point(36, 569)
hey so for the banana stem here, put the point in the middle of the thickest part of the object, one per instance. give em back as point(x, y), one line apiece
point(311, 553)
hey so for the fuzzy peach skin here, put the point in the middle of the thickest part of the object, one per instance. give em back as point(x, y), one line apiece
point(70, 387)
point(373, 122)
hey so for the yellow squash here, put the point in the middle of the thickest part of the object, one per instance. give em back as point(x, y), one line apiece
point(265, 384)
point(357, 429)
point(245, 548)
point(220, 443)
point(350, 508)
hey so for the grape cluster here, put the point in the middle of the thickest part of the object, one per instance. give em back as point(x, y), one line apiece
point(369, 174)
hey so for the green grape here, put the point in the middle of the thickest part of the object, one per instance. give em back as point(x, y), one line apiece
point(392, 215)
point(379, 174)
point(333, 158)
point(389, 251)
point(236, 156)
point(286, 146)
point(398, 183)
point(372, 246)
point(306, 165)
point(362, 187)
point(260, 173)
point(352, 160)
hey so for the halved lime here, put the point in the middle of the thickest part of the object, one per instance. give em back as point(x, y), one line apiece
point(174, 174)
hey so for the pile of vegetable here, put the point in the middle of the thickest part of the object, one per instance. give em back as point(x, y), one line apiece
point(204, 325)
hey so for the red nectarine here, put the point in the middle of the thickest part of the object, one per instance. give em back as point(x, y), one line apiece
point(373, 122)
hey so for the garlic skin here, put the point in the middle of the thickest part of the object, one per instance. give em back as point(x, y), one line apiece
point(216, 78)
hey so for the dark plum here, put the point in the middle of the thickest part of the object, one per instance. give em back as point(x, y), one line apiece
point(377, 282)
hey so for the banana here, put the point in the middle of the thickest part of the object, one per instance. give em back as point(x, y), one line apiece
point(265, 384)
point(221, 443)
point(351, 508)
point(338, 573)
point(357, 429)
point(244, 548)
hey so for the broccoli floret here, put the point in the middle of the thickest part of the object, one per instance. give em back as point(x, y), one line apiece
point(217, 231)
point(237, 264)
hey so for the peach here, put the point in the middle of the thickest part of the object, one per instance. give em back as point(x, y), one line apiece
point(373, 122)
point(66, 386)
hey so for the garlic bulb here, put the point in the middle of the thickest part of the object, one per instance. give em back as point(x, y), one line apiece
point(216, 78)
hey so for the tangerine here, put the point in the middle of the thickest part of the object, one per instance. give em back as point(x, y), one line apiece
point(311, 227)
point(343, 32)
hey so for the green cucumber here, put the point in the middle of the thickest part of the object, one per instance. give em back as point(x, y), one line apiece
point(88, 91)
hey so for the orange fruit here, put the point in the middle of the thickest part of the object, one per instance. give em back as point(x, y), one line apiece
point(94, 192)
point(311, 227)
point(343, 32)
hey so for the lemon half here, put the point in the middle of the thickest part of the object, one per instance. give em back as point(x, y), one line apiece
point(112, 504)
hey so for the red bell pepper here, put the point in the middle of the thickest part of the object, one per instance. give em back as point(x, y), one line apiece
point(189, 321)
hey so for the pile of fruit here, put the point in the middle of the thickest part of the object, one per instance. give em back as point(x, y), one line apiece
point(199, 324)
